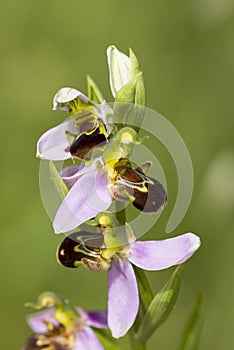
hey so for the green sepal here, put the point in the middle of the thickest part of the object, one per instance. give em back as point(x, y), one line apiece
point(133, 91)
point(120, 213)
point(140, 92)
point(60, 185)
point(46, 299)
point(140, 88)
point(94, 92)
point(130, 100)
point(134, 64)
point(127, 93)
point(193, 326)
point(131, 97)
point(161, 306)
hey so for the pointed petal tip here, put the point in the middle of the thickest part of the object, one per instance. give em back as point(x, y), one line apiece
point(57, 230)
point(117, 334)
point(53, 143)
point(195, 241)
point(109, 48)
point(38, 155)
point(55, 104)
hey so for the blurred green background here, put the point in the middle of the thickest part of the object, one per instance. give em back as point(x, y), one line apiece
point(187, 54)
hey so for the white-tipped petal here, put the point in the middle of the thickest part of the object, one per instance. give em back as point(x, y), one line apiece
point(119, 69)
point(66, 95)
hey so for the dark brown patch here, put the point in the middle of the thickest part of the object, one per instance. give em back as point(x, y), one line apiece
point(150, 195)
point(77, 246)
point(85, 143)
point(131, 175)
point(152, 201)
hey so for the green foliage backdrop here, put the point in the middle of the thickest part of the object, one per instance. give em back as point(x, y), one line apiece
point(187, 55)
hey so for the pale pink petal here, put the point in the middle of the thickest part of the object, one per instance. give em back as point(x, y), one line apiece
point(37, 322)
point(54, 142)
point(71, 174)
point(87, 340)
point(97, 319)
point(85, 200)
point(158, 255)
point(123, 299)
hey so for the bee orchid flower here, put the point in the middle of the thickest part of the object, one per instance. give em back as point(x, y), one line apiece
point(86, 127)
point(63, 328)
point(108, 177)
point(101, 252)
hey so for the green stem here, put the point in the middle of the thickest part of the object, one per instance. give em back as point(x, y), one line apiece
point(120, 214)
point(134, 343)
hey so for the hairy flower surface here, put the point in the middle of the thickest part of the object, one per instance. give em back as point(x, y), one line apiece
point(97, 252)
